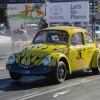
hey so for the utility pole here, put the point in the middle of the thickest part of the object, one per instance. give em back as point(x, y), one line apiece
point(93, 10)
point(93, 19)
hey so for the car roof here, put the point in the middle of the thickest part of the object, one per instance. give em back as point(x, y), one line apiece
point(69, 29)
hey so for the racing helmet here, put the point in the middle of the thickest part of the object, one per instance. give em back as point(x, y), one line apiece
point(70, 24)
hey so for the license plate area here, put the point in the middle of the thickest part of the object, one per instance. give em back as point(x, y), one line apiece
point(25, 71)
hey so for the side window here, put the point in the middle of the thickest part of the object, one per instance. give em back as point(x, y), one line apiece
point(77, 39)
point(88, 38)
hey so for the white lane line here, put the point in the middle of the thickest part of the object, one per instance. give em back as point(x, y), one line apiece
point(2, 68)
point(56, 95)
point(42, 93)
point(19, 98)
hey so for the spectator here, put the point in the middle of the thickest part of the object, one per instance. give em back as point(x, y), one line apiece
point(22, 28)
point(23, 33)
point(42, 24)
point(70, 24)
point(20, 33)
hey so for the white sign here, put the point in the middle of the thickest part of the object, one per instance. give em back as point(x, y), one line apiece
point(68, 12)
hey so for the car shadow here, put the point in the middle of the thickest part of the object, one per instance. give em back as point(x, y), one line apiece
point(79, 74)
point(28, 82)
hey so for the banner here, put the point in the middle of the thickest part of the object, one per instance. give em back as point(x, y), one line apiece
point(68, 12)
point(27, 13)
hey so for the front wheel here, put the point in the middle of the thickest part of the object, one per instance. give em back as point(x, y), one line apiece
point(15, 76)
point(96, 71)
point(59, 73)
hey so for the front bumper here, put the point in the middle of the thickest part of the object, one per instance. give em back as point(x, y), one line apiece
point(37, 70)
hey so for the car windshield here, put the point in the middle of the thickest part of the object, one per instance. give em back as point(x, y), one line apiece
point(96, 28)
point(51, 36)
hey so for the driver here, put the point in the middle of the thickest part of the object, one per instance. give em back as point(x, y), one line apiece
point(55, 39)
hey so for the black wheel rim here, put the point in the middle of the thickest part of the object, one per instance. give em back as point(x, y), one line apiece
point(61, 73)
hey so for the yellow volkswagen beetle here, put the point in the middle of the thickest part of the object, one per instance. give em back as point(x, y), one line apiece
point(56, 51)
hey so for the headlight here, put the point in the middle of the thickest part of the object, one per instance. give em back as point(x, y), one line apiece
point(46, 61)
point(11, 59)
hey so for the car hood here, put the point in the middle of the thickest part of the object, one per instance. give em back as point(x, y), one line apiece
point(33, 55)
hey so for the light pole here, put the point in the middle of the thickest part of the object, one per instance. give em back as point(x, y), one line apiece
point(93, 19)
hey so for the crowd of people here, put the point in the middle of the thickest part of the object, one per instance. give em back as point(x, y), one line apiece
point(21, 33)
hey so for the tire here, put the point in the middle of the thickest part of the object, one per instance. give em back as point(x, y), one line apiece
point(59, 74)
point(96, 71)
point(15, 76)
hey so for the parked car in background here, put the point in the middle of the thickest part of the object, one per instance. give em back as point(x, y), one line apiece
point(54, 52)
point(97, 29)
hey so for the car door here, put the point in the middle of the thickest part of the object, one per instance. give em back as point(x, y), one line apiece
point(77, 52)
point(90, 47)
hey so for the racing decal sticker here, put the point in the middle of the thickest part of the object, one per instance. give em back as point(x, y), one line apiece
point(79, 55)
point(17, 57)
point(33, 55)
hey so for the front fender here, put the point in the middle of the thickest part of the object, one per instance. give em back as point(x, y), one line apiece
point(95, 58)
point(56, 57)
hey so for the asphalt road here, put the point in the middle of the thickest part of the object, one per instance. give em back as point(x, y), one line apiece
point(78, 86)
point(5, 51)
